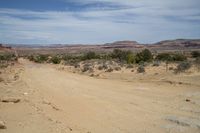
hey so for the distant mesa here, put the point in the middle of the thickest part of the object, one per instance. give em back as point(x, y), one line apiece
point(123, 44)
point(179, 43)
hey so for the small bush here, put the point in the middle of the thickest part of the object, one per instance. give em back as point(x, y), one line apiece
point(109, 70)
point(77, 66)
point(164, 57)
point(182, 67)
point(123, 56)
point(156, 64)
point(195, 54)
point(8, 57)
point(170, 57)
point(86, 68)
point(38, 58)
point(144, 56)
point(55, 60)
point(90, 55)
point(141, 69)
point(105, 66)
point(100, 67)
point(129, 66)
point(179, 57)
point(117, 68)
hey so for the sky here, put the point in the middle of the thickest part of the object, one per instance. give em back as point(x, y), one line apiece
point(97, 21)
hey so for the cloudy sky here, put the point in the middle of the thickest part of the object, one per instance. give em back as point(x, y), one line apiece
point(97, 21)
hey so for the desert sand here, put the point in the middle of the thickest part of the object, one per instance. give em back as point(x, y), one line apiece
point(59, 101)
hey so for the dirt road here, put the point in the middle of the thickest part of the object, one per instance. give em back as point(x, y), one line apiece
point(55, 101)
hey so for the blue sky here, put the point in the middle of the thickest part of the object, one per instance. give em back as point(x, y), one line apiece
point(97, 21)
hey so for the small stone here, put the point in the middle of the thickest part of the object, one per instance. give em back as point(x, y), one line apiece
point(25, 93)
point(187, 100)
point(2, 125)
point(12, 100)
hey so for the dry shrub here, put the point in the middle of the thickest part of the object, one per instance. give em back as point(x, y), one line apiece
point(109, 70)
point(141, 69)
point(117, 68)
point(182, 67)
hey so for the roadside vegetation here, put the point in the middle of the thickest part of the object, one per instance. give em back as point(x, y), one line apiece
point(7, 59)
point(117, 59)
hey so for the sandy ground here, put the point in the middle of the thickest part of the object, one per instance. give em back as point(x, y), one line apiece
point(55, 101)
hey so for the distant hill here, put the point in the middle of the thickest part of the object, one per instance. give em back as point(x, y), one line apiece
point(123, 44)
point(179, 43)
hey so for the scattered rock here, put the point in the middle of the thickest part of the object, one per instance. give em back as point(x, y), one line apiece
point(10, 100)
point(187, 100)
point(70, 129)
point(16, 77)
point(2, 125)
point(55, 108)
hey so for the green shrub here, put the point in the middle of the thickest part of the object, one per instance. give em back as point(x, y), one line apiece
point(38, 58)
point(170, 57)
point(7, 57)
point(90, 55)
point(109, 70)
point(195, 54)
point(130, 58)
point(55, 60)
point(31, 58)
point(164, 57)
point(182, 67)
point(179, 57)
point(123, 56)
point(144, 56)
point(44, 58)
